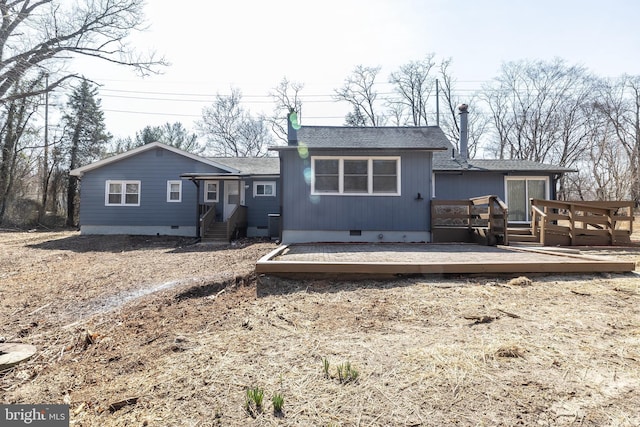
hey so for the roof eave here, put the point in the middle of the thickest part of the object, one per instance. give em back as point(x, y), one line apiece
point(296, 147)
point(121, 156)
point(500, 170)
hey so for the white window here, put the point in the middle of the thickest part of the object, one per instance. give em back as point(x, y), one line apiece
point(122, 193)
point(379, 176)
point(211, 191)
point(264, 189)
point(174, 191)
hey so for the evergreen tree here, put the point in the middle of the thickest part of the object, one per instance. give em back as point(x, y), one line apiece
point(85, 137)
point(148, 135)
point(174, 134)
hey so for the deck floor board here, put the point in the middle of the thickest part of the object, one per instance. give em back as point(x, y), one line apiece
point(392, 258)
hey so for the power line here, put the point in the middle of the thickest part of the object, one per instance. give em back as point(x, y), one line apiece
point(196, 100)
point(149, 113)
point(199, 115)
point(199, 94)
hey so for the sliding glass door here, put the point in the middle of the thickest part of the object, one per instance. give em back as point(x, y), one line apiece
point(519, 191)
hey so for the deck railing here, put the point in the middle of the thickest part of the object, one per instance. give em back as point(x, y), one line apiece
point(238, 219)
point(581, 223)
point(481, 219)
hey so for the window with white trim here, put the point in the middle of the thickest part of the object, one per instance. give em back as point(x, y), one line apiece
point(378, 176)
point(264, 189)
point(174, 191)
point(211, 191)
point(122, 193)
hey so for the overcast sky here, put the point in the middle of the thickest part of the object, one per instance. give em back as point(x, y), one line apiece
point(252, 44)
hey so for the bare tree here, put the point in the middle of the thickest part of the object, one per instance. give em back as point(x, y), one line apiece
point(286, 96)
point(230, 130)
point(602, 169)
point(38, 35)
point(449, 122)
point(39, 39)
point(359, 91)
point(414, 84)
point(619, 103)
point(15, 122)
point(537, 111)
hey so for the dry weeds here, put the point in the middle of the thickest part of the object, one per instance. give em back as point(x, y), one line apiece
point(154, 331)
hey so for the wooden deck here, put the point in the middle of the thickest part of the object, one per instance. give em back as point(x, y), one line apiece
point(391, 258)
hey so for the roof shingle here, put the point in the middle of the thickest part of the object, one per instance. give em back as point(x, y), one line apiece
point(340, 137)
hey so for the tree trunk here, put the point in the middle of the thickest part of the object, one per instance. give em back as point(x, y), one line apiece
point(72, 186)
point(45, 160)
point(72, 191)
point(8, 158)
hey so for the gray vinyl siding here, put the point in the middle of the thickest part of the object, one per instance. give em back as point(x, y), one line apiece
point(302, 211)
point(464, 185)
point(259, 208)
point(153, 169)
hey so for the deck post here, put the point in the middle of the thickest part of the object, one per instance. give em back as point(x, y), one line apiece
point(611, 225)
point(543, 227)
point(490, 227)
point(572, 224)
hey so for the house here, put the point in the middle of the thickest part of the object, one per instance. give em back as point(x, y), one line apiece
point(375, 184)
point(328, 184)
point(157, 189)
point(357, 184)
point(516, 182)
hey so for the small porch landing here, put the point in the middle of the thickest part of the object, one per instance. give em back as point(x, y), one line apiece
point(401, 258)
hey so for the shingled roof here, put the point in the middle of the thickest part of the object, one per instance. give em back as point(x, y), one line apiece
point(387, 138)
point(443, 162)
point(251, 165)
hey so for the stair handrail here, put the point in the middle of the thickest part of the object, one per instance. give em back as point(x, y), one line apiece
point(537, 215)
point(494, 215)
point(207, 218)
point(238, 216)
point(505, 219)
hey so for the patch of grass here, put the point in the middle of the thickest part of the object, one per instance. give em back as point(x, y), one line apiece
point(278, 402)
point(325, 367)
point(254, 399)
point(344, 372)
point(347, 373)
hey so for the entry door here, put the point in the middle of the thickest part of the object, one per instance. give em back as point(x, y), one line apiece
point(519, 193)
point(231, 197)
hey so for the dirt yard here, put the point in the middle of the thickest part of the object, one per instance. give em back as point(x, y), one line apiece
point(139, 331)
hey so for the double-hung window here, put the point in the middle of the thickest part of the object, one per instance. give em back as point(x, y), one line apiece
point(122, 193)
point(174, 191)
point(211, 191)
point(355, 175)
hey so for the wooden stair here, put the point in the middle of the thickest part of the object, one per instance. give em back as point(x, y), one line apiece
point(216, 233)
point(521, 235)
